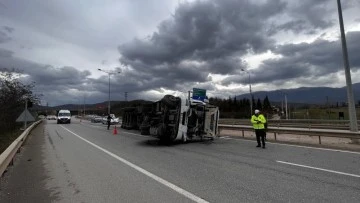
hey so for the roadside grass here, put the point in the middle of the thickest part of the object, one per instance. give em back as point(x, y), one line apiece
point(7, 137)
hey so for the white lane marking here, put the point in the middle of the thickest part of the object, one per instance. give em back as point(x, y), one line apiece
point(320, 169)
point(145, 172)
point(324, 149)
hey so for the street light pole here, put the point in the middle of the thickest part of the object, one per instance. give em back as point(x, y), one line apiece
point(350, 93)
point(286, 107)
point(109, 97)
point(109, 74)
point(251, 96)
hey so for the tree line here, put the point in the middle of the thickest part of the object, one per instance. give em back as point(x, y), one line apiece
point(240, 108)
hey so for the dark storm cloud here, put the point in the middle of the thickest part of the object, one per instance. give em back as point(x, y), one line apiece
point(295, 26)
point(4, 36)
point(5, 32)
point(43, 74)
point(309, 60)
point(48, 80)
point(5, 53)
point(307, 16)
point(8, 29)
point(64, 76)
point(202, 37)
point(303, 61)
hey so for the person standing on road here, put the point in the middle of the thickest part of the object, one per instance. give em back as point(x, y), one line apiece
point(108, 121)
point(258, 120)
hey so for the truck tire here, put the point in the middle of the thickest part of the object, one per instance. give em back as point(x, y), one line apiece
point(170, 100)
point(144, 130)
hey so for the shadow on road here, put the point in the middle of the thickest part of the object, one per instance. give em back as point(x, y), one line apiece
point(159, 143)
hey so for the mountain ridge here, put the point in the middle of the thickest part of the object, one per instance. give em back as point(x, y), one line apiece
point(308, 95)
point(301, 95)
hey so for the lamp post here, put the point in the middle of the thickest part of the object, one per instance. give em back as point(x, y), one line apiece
point(251, 96)
point(109, 73)
point(350, 93)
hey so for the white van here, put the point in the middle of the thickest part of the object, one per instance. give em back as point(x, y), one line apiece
point(64, 116)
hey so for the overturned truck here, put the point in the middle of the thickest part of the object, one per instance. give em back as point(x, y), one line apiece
point(173, 118)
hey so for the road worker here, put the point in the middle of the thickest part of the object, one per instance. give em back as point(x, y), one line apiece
point(258, 120)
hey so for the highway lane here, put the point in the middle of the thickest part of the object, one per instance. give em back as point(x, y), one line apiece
point(85, 162)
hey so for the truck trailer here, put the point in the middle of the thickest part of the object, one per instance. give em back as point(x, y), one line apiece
point(174, 118)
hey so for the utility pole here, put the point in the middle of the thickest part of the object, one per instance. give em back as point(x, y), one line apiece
point(126, 95)
point(350, 94)
point(251, 96)
point(328, 107)
point(25, 120)
point(286, 107)
point(84, 105)
point(282, 106)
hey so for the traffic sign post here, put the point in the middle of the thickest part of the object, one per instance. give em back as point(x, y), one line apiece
point(25, 116)
point(199, 94)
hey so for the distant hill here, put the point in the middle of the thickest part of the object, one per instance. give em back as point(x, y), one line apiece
point(297, 96)
point(308, 95)
point(116, 106)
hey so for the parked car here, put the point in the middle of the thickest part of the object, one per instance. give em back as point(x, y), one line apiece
point(96, 119)
point(113, 121)
point(51, 117)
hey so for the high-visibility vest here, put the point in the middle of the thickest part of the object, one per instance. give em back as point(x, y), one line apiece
point(255, 119)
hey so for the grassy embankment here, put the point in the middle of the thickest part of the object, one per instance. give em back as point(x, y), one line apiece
point(7, 137)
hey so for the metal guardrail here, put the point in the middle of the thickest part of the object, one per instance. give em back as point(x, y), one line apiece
point(7, 157)
point(296, 123)
point(305, 121)
point(297, 131)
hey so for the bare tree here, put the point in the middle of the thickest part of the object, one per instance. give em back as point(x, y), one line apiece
point(13, 94)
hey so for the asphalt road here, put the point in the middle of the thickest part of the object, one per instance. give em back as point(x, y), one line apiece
point(85, 162)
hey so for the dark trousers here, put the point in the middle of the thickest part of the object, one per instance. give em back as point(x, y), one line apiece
point(108, 125)
point(260, 133)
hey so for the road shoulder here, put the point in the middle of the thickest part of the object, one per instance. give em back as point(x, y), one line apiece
point(26, 180)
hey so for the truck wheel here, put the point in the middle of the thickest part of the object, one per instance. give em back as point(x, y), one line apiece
point(170, 100)
point(144, 130)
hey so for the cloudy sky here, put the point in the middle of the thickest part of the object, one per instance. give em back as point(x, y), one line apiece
point(162, 46)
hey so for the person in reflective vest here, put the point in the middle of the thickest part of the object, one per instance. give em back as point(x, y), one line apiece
point(258, 120)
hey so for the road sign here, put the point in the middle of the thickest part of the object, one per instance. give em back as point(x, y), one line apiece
point(25, 116)
point(199, 94)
